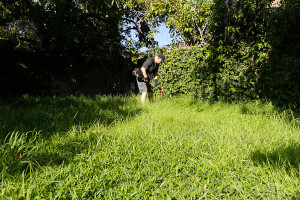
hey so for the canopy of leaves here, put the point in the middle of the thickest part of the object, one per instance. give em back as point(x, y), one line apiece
point(251, 48)
point(50, 43)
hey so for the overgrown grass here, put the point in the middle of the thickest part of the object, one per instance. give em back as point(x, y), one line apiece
point(115, 148)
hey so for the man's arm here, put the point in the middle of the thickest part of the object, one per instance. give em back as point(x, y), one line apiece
point(156, 79)
point(145, 74)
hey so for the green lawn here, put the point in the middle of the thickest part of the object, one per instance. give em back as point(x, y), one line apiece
point(114, 148)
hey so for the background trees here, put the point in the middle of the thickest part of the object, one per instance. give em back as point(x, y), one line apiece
point(66, 46)
point(250, 48)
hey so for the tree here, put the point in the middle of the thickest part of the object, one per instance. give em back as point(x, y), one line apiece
point(187, 19)
point(69, 40)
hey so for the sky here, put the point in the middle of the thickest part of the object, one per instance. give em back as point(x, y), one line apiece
point(163, 36)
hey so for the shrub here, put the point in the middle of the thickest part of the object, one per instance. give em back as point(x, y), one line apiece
point(214, 72)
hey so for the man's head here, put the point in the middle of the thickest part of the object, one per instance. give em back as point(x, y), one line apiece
point(159, 58)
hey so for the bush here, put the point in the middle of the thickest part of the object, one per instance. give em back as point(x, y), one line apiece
point(210, 72)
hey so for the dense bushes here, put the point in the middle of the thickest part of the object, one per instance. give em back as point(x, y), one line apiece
point(228, 73)
point(253, 54)
point(67, 47)
point(206, 71)
point(243, 74)
point(280, 78)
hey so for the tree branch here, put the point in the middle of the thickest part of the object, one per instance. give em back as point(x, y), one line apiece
point(28, 40)
point(93, 15)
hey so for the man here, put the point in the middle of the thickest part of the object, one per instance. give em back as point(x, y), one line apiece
point(150, 70)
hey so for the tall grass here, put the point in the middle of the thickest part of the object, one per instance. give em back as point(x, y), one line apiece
point(114, 148)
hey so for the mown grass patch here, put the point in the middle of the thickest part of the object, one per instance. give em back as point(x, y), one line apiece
point(170, 149)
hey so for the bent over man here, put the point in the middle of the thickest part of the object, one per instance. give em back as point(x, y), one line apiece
point(150, 70)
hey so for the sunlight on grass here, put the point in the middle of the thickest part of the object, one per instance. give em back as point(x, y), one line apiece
point(170, 149)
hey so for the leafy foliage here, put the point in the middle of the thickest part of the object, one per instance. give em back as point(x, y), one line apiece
point(249, 55)
point(187, 19)
point(280, 77)
point(69, 45)
point(249, 49)
point(208, 73)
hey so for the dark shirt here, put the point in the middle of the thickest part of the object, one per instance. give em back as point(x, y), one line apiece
point(151, 67)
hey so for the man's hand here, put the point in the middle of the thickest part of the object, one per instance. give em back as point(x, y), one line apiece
point(146, 79)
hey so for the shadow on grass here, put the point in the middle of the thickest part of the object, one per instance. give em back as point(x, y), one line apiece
point(287, 157)
point(291, 117)
point(64, 152)
point(53, 115)
point(25, 116)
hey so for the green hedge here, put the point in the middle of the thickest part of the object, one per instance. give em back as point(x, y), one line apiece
point(252, 54)
point(223, 72)
point(232, 73)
